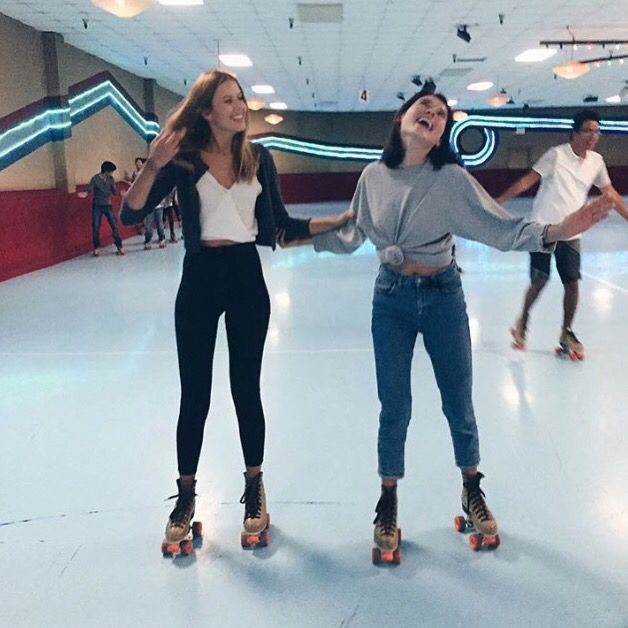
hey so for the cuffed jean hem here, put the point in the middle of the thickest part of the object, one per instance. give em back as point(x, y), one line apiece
point(466, 467)
point(390, 476)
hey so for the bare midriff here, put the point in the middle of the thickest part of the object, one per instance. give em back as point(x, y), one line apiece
point(411, 268)
point(214, 243)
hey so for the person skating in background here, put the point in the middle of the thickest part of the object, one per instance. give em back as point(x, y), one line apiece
point(102, 187)
point(566, 173)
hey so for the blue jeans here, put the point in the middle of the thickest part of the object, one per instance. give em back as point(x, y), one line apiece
point(434, 306)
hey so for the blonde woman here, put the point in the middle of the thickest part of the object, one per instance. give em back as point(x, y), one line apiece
point(229, 195)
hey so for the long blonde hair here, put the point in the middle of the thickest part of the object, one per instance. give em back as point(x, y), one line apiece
point(197, 132)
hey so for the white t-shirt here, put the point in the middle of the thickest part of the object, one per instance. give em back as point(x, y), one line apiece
point(228, 214)
point(565, 182)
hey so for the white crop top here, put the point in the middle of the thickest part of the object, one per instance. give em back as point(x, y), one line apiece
point(228, 214)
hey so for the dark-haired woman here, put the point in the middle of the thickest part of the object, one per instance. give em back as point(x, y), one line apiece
point(230, 201)
point(410, 204)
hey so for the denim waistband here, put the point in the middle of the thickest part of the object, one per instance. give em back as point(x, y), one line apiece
point(439, 279)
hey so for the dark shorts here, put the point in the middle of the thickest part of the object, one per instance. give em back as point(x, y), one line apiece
point(567, 256)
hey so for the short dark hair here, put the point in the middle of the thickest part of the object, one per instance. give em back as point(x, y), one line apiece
point(107, 166)
point(582, 116)
point(394, 152)
point(142, 159)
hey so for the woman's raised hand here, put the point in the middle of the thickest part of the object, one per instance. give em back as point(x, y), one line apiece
point(164, 148)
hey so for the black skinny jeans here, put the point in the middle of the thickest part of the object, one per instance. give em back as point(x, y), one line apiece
point(225, 279)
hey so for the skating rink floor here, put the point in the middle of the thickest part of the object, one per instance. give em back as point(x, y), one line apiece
point(88, 409)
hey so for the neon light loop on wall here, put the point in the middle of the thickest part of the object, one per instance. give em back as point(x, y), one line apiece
point(488, 124)
point(56, 123)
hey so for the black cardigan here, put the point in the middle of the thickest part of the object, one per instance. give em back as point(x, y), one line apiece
point(270, 211)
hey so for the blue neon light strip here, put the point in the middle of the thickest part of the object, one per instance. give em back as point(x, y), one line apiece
point(56, 124)
point(488, 123)
point(315, 149)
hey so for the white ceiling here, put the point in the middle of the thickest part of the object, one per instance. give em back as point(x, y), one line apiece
point(379, 46)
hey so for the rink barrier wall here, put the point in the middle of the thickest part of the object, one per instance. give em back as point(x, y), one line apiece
point(41, 228)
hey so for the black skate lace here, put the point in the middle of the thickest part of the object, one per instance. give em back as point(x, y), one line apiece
point(252, 498)
point(386, 510)
point(183, 507)
point(475, 498)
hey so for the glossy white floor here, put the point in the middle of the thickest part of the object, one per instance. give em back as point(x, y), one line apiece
point(89, 403)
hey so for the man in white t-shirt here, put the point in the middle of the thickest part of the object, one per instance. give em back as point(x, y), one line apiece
point(567, 173)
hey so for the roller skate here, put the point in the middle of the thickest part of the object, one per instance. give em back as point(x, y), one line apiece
point(386, 535)
point(518, 333)
point(479, 519)
point(181, 537)
point(256, 519)
point(569, 346)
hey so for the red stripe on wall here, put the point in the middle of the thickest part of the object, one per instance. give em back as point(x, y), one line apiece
point(44, 227)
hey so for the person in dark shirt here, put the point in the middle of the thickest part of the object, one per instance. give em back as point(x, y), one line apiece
point(230, 201)
point(102, 187)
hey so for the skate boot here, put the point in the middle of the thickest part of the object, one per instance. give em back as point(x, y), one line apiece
point(256, 519)
point(386, 535)
point(570, 346)
point(178, 528)
point(478, 517)
point(518, 333)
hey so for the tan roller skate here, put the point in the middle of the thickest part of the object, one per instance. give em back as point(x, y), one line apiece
point(386, 535)
point(256, 518)
point(181, 537)
point(569, 346)
point(518, 333)
point(479, 518)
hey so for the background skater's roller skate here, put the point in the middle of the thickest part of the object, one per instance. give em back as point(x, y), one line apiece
point(518, 333)
point(387, 535)
point(181, 537)
point(256, 519)
point(569, 346)
point(479, 519)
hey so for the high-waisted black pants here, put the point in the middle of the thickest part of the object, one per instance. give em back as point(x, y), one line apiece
point(221, 280)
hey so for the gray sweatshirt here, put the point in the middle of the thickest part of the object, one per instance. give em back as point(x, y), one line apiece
point(412, 214)
point(102, 189)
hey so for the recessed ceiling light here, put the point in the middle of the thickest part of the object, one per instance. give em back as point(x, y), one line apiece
point(480, 86)
point(255, 104)
point(278, 105)
point(535, 55)
point(127, 9)
point(236, 60)
point(452, 102)
point(263, 89)
point(613, 99)
point(181, 3)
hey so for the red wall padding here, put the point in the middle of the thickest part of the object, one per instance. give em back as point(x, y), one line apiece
point(39, 228)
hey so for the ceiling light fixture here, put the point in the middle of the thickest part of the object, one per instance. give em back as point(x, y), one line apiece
point(570, 69)
point(463, 33)
point(480, 86)
point(499, 99)
point(535, 55)
point(236, 60)
point(278, 105)
point(459, 116)
point(255, 104)
point(273, 118)
point(452, 102)
point(124, 8)
point(613, 99)
point(263, 89)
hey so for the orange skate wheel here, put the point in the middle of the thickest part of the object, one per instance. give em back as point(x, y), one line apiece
point(460, 523)
point(264, 538)
point(376, 556)
point(492, 542)
point(396, 557)
point(186, 547)
point(573, 357)
point(387, 556)
point(475, 542)
point(197, 529)
point(165, 550)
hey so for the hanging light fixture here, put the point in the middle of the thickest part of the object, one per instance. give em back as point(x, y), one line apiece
point(459, 116)
point(499, 99)
point(570, 69)
point(273, 118)
point(255, 104)
point(124, 8)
